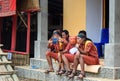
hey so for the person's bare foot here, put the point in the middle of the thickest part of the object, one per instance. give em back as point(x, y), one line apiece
point(49, 70)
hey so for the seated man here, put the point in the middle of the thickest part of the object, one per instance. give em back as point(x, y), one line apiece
point(55, 45)
point(69, 51)
point(52, 50)
point(86, 54)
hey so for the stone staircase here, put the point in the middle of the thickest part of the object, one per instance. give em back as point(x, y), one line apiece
point(6, 71)
point(38, 66)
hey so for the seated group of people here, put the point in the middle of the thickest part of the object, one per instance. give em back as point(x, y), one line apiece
point(71, 49)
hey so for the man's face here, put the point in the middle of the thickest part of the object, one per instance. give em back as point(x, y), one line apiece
point(72, 40)
point(80, 40)
point(64, 35)
point(55, 35)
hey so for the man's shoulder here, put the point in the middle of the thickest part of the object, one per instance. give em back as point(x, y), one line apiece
point(88, 41)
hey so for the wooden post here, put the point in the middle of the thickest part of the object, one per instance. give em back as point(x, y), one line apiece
point(28, 34)
point(13, 40)
point(1, 30)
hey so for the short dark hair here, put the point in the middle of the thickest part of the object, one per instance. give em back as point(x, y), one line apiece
point(56, 32)
point(81, 35)
point(66, 32)
point(83, 31)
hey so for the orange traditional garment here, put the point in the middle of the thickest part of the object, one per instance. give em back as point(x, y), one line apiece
point(92, 57)
point(72, 40)
point(65, 43)
point(55, 48)
point(69, 56)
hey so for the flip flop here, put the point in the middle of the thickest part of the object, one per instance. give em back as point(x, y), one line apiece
point(61, 72)
point(71, 75)
point(47, 71)
point(67, 73)
point(81, 76)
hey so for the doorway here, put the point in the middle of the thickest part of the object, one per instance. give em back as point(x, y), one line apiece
point(55, 16)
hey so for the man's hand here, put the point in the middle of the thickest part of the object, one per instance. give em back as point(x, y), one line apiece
point(50, 41)
point(77, 46)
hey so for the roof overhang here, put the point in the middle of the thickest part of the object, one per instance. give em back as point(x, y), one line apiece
point(9, 7)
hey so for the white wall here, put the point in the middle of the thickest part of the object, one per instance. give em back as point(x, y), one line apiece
point(94, 19)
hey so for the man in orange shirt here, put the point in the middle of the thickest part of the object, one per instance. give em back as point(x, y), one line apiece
point(86, 54)
point(55, 45)
point(68, 55)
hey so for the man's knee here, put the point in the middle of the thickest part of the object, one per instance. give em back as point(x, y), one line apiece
point(47, 53)
point(77, 55)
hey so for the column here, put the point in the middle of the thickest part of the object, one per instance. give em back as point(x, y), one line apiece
point(42, 30)
point(112, 50)
point(13, 39)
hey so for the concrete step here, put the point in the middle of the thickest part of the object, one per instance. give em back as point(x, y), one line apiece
point(42, 63)
point(104, 72)
point(38, 74)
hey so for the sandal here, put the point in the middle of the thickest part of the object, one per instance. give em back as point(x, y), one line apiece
point(47, 71)
point(81, 76)
point(57, 72)
point(67, 73)
point(72, 75)
point(61, 72)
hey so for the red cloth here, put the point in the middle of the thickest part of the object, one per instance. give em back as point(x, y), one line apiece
point(70, 57)
point(12, 5)
point(90, 59)
point(53, 55)
point(68, 47)
point(55, 49)
point(87, 59)
point(7, 7)
point(92, 53)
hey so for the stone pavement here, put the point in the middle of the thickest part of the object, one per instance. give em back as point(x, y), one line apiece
point(90, 79)
point(26, 79)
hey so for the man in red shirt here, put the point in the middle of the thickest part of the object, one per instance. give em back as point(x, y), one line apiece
point(86, 54)
point(69, 53)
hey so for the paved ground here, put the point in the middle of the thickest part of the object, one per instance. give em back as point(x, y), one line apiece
point(25, 79)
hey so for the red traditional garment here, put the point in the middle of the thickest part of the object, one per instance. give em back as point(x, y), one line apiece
point(69, 56)
point(55, 48)
point(92, 57)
